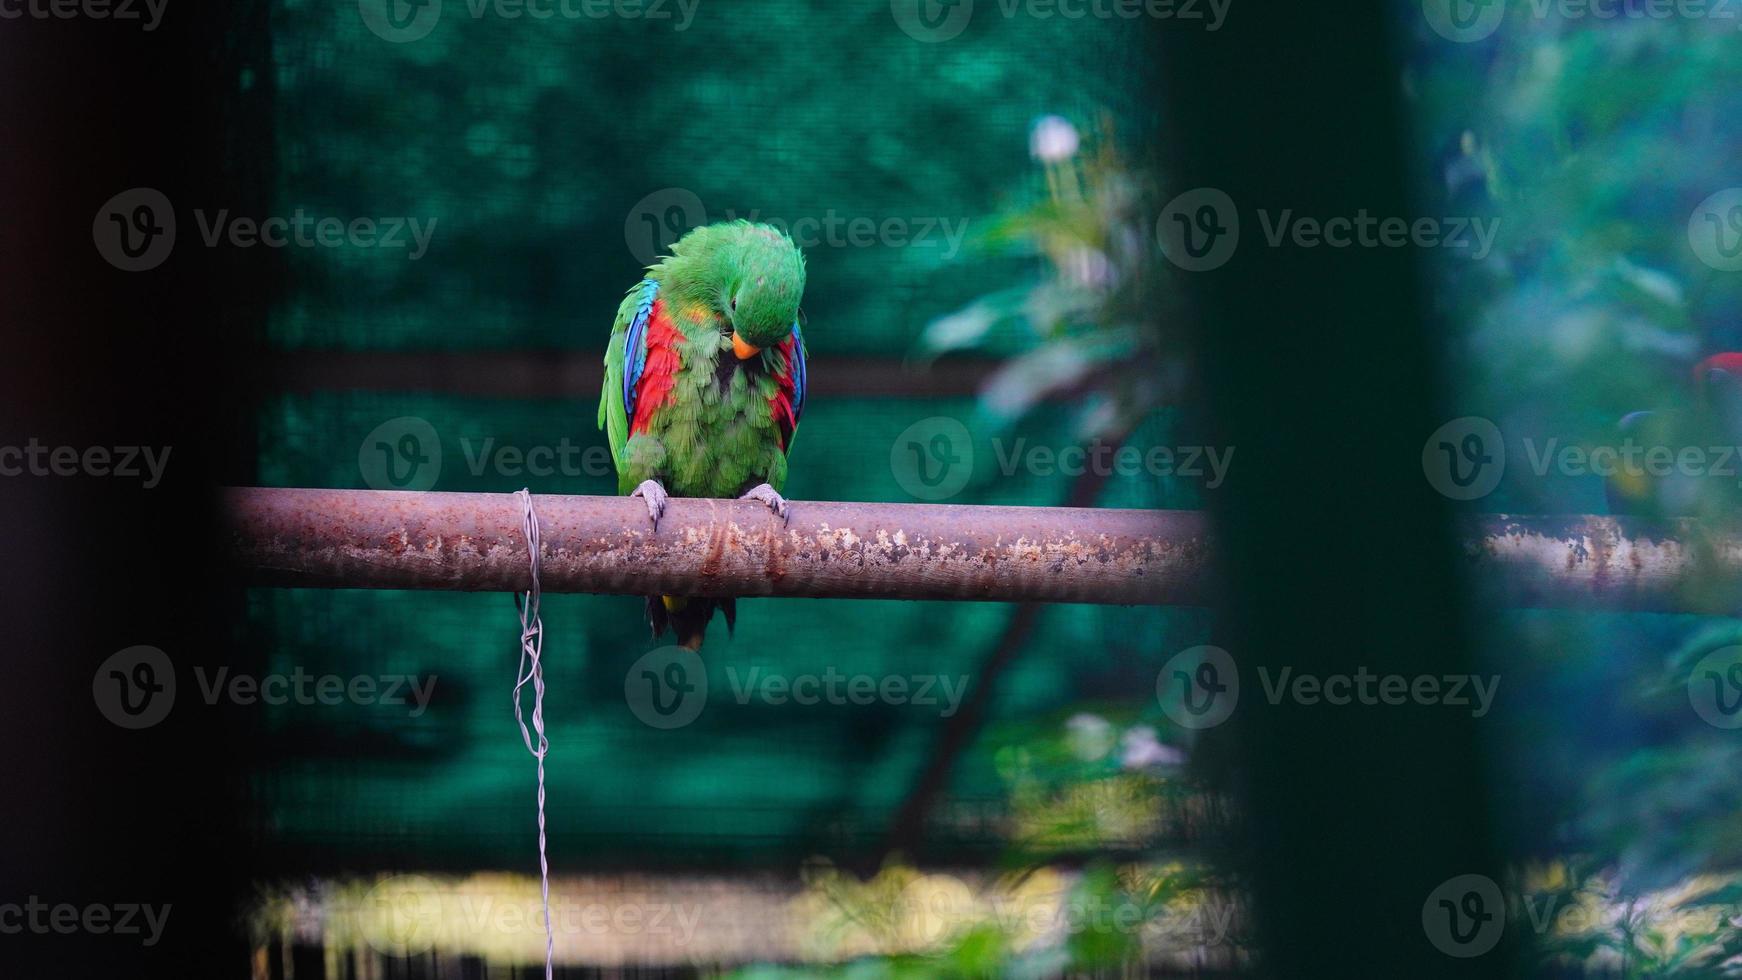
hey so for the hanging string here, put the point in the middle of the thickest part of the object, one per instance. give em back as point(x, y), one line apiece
point(531, 671)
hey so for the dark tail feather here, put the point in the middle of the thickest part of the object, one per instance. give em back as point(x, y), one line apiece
point(688, 618)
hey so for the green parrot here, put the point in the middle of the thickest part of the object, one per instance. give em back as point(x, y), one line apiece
point(705, 384)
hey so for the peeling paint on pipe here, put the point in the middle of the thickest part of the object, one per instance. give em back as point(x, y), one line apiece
point(1607, 563)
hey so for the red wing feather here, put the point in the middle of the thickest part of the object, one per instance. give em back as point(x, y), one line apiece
point(657, 378)
point(781, 405)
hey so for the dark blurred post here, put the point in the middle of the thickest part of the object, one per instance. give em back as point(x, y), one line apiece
point(94, 814)
point(1320, 370)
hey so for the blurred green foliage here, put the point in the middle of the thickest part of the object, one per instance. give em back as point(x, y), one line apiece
point(1594, 141)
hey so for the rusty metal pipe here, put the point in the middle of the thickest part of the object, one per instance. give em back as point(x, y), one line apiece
point(472, 542)
point(1612, 563)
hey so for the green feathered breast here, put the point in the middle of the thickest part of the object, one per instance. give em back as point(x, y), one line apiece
point(679, 407)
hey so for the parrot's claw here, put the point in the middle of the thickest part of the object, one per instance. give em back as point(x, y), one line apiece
point(655, 495)
point(775, 501)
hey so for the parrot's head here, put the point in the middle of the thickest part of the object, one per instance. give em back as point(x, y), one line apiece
point(756, 276)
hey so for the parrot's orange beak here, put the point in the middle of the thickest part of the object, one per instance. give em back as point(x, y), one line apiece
point(742, 348)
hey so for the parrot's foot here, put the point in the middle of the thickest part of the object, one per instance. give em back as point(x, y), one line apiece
point(775, 501)
point(655, 495)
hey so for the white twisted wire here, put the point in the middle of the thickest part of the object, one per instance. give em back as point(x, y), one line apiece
point(531, 671)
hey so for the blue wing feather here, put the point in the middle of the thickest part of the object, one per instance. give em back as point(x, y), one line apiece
point(635, 345)
point(798, 376)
